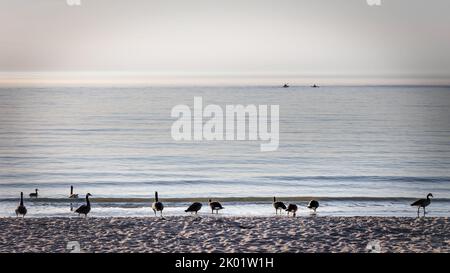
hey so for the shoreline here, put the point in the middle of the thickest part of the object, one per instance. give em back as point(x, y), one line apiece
point(227, 234)
point(237, 199)
point(377, 208)
point(221, 215)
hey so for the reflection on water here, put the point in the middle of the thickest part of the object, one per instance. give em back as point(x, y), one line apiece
point(116, 143)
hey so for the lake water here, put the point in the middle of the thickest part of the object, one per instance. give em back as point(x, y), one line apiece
point(359, 150)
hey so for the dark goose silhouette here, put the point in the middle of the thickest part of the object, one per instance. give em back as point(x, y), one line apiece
point(84, 209)
point(21, 209)
point(157, 206)
point(215, 206)
point(72, 195)
point(313, 204)
point(292, 208)
point(285, 85)
point(422, 203)
point(34, 194)
point(195, 207)
point(278, 205)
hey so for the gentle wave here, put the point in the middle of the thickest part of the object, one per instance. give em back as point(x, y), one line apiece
point(362, 178)
point(248, 199)
point(199, 181)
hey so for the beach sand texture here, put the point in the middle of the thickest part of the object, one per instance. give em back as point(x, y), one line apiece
point(226, 234)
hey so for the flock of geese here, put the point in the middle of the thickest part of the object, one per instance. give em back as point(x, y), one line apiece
point(158, 206)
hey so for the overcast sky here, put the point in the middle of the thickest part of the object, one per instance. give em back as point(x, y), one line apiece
point(325, 38)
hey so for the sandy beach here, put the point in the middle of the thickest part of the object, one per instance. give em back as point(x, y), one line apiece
point(226, 234)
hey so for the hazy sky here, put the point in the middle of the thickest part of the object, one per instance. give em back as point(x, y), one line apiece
point(403, 39)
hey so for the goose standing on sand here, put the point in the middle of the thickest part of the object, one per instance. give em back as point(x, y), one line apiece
point(21, 209)
point(422, 203)
point(84, 209)
point(215, 206)
point(34, 194)
point(292, 208)
point(313, 204)
point(157, 206)
point(73, 195)
point(278, 205)
point(195, 207)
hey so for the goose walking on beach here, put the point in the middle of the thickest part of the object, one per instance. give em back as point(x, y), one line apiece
point(292, 208)
point(34, 194)
point(195, 207)
point(215, 206)
point(157, 206)
point(73, 195)
point(313, 204)
point(422, 203)
point(278, 205)
point(21, 209)
point(84, 209)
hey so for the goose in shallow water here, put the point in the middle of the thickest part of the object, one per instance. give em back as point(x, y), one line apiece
point(215, 206)
point(195, 207)
point(72, 195)
point(157, 206)
point(34, 194)
point(292, 208)
point(313, 204)
point(422, 203)
point(21, 209)
point(84, 209)
point(278, 205)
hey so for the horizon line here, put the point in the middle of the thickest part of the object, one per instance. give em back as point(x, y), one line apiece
point(137, 79)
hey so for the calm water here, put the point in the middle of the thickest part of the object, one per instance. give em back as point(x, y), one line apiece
point(341, 143)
